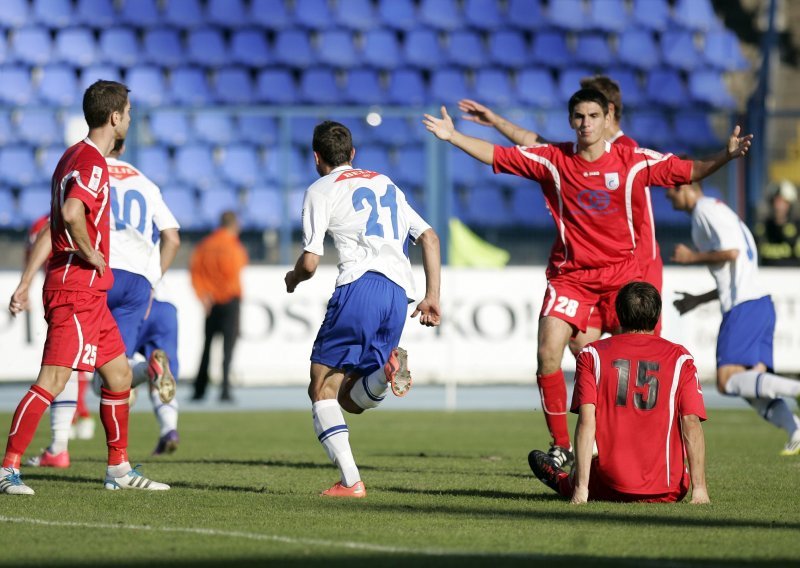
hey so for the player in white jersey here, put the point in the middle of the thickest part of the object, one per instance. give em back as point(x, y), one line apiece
point(744, 346)
point(355, 358)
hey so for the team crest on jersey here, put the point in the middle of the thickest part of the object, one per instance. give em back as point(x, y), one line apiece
point(612, 181)
point(94, 181)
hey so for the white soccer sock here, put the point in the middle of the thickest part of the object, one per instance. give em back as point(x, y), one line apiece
point(119, 470)
point(369, 391)
point(166, 414)
point(776, 412)
point(753, 384)
point(332, 432)
point(62, 411)
point(139, 370)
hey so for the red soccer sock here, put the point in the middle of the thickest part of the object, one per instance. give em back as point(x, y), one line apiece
point(23, 426)
point(114, 412)
point(553, 390)
point(83, 381)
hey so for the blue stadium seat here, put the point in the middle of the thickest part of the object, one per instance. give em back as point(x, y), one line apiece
point(319, 86)
point(410, 166)
point(213, 127)
point(422, 49)
point(407, 87)
point(298, 166)
point(292, 48)
point(170, 127)
point(33, 203)
point(155, 162)
point(314, 14)
point(264, 208)
point(240, 164)
point(38, 127)
point(508, 49)
point(194, 165)
point(556, 127)
point(528, 207)
point(140, 13)
point(664, 86)
point(632, 93)
point(465, 48)
point(181, 201)
point(373, 158)
point(449, 85)
point(637, 48)
point(608, 15)
point(31, 45)
point(75, 46)
point(569, 81)
point(233, 85)
point(484, 15)
point(52, 13)
point(184, 14)
point(58, 85)
point(257, 129)
point(48, 159)
point(723, 51)
point(706, 86)
point(593, 49)
point(336, 48)
point(356, 14)
point(96, 72)
point(119, 46)
point(216, 201)
point(206, 46)
point(526, 15)
point(694, 129)
point(441, 14)
point(296, 206)
point(227, 13)
point(3, 49)
point(678, 50)
point(650, 14)
point(398, 14)
point(249, 47)
point(663, 213)
point(6, 130)
point(493, 86)
point(15, 14)
point(276, 86)
point(363, 87)
point(98, 14)
point(15, 85)
point(8, 210)
point(147, 85)
point(392, 131)
point(381, 48)
point(568, 15)
point(486, 207)
point(270, 14)
point(650, 129)
point(189, 86)
point(463, 168)
point(536, 87)
point(550, 48)
point(695, 15)
point(17, 166)
point(163, 46)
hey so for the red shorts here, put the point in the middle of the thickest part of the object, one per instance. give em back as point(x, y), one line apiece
point(81, 332)
point(653, 272)
point(600, 491)
point(575, 295)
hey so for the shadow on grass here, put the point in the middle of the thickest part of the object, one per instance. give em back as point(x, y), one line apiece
point(483, 493)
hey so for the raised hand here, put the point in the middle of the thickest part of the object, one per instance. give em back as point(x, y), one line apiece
point(430, 313)
point(682, 254)
point(686, 303)
point(476, 112)
point(443, 128)
point(738, 145)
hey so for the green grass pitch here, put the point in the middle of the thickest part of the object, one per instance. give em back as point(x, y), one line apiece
point(444, 489)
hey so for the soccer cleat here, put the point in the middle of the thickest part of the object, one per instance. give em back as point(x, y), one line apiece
point(792, 447)
point(544, 468)
point(161, 379)
point(83, 429)
point(11, 483)
point(60, 460)
point(562, 457)
point(397, 374)
point(133, 480)
point(357, 491)
point(167, 444)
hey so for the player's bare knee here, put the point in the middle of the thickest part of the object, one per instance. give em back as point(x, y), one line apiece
point(348, 405)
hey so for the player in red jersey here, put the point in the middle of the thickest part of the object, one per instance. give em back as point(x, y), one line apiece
point(81, 333)
point(638, 396)
point(596, 193)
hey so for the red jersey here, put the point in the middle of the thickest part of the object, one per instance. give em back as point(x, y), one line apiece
point(597, 206)
point(641, 385)
point(81, 173)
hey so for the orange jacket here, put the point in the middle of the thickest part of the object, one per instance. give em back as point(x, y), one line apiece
point(216, 266)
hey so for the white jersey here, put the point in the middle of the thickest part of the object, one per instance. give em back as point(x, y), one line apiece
point(716, 227)
point(370, 222)
point(136, 207)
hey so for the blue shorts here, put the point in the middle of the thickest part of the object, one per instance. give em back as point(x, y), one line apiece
point(160, 331)
point(128, 300)
point(745, 335)
point(363, 323)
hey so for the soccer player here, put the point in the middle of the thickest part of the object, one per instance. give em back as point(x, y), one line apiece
point(596, 192)
point(744, 345)
point(638, 396)
point(355, 358)
point(81, 334)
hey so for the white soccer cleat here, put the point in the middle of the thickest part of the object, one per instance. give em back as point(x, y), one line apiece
point(11, 483)
point(161, 379)
point(397, 374)
point(133, 480)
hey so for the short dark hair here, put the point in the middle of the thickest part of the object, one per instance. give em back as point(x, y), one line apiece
point(228, 218)
point(101, 99)
point(609, 87)
point(588, 96)
point(638, 306)
point(333, 142)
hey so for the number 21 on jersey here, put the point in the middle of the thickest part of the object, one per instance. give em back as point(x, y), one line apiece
point(367, 197)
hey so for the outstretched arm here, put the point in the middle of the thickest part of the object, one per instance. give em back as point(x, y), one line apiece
point(736, 148)
point(304, 268)
point(444, 129)
point(687, 302)
point(39, 254)
point(696, 454)
point(584, 443)
point(480, 114)
point(684, 255)
point(428, 309)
